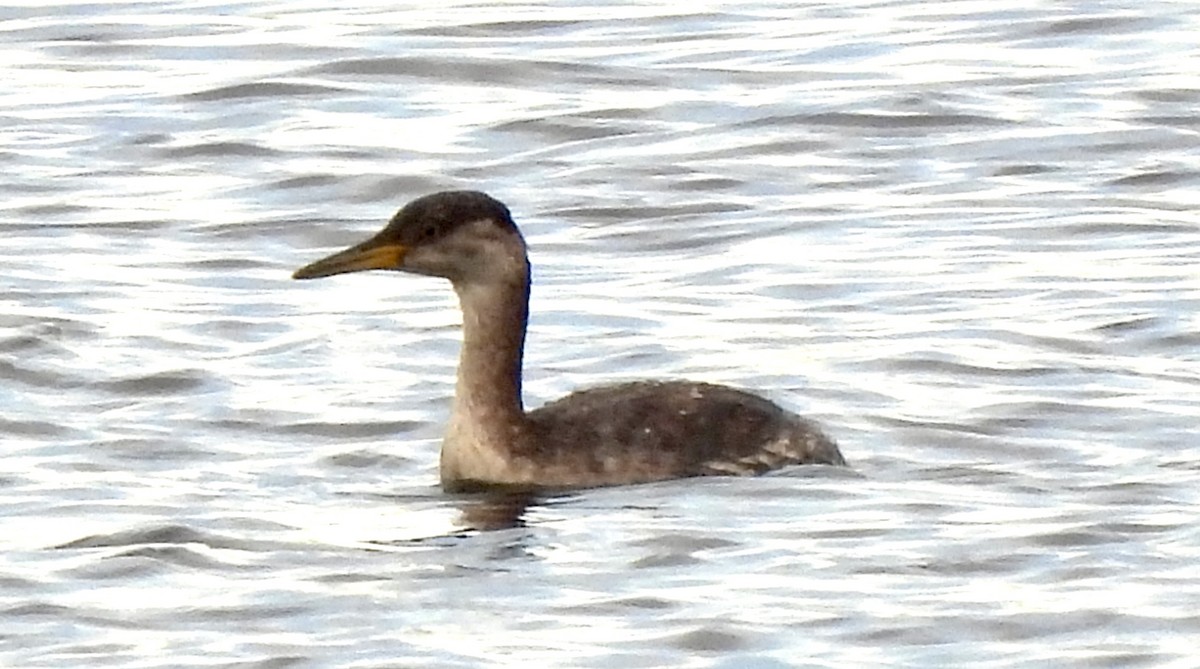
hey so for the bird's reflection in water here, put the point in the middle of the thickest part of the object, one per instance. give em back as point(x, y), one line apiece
point(496, 510)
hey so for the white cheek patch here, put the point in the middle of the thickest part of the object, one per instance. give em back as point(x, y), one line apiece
point(487, 251)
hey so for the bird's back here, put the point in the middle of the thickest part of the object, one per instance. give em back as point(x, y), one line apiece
point(650, 430)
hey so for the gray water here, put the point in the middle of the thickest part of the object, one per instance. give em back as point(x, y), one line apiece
point(961, 235)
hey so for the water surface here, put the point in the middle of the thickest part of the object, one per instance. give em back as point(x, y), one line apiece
point(960, 235)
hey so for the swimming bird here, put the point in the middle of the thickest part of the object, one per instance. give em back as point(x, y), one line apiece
point(609, 435)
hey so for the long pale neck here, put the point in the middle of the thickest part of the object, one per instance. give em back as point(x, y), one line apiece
point(487, 396)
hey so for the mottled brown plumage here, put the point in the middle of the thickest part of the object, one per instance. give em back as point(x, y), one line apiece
point(627, 433)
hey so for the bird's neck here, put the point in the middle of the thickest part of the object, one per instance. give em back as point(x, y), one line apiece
point(488, 417)
point(489, 365)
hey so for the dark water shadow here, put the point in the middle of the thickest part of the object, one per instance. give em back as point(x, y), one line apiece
point(490, 511)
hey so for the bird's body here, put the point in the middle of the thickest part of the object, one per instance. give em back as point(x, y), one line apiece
point(627, 433)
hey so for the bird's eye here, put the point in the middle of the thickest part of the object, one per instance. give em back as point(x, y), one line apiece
point(429, 232)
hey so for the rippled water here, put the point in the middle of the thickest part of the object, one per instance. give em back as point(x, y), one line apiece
point(962, 235)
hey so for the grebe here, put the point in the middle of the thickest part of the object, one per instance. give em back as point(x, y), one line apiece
point(611, 435)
